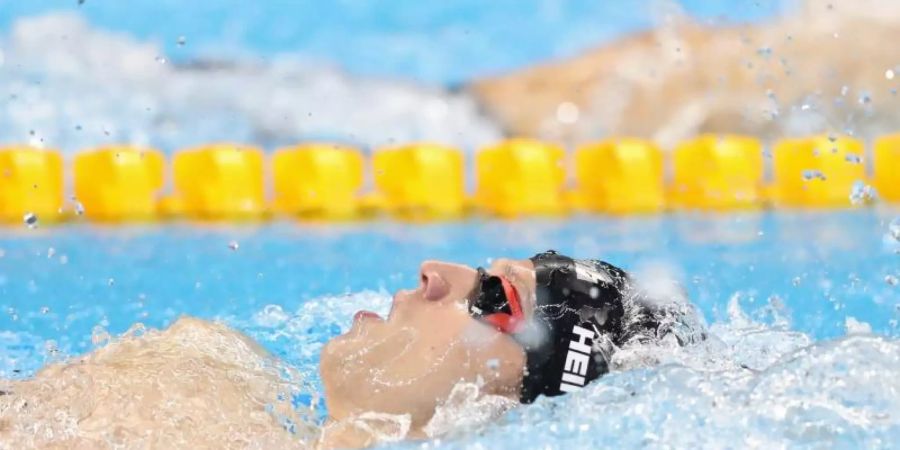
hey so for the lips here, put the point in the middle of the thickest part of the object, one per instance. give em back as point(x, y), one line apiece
point(360, 315)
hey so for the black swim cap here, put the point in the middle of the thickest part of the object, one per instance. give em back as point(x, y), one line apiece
point(585, 309)
point(577, 322)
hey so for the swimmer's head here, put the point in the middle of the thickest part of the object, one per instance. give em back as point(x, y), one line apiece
point(521, 328)
point(409, 361)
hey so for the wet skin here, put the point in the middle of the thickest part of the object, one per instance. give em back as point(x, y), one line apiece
point(409, 362)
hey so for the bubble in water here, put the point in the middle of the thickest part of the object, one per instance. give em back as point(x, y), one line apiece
point(79, 208)
point(845, 90)
point(110, 281)
point(233, 245)
point(853, 326)
point(894, 229)
point(99, 336)
point(864, 98)
point(891, 280)
point(45, 310)
point(30, 219)
point(181, 41)
point(51, 347)
point(160, 59)
point(889, 74)
point(796, 281)
point(862, 193)
point(852, 158)
point(811, 174)
point(50, 252)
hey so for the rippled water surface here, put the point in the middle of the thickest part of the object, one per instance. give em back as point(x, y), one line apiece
point(803, 309)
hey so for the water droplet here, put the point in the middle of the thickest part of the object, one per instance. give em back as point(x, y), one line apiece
point(594, 292)
point(31, 220)
point(233, 245)
point(811, 174)
point(862, 193)
point(894, 229)
point(99, 335)
point(891, 280)
point(51, 347)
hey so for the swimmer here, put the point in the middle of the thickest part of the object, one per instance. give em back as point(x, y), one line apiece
point(519, 330)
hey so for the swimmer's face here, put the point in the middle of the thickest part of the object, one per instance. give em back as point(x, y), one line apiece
point(409, 362)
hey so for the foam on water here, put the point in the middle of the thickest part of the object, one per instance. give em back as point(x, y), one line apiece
point(66, 84)
point(753, 383)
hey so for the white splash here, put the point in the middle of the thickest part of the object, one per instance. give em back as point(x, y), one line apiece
point(77, 86)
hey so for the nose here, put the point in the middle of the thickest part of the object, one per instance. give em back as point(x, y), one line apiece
point(434, 286)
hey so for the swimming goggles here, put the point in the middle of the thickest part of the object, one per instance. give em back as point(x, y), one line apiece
point(495, 300)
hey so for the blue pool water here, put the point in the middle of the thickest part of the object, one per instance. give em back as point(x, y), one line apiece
point(770, 284)
point(803, 307)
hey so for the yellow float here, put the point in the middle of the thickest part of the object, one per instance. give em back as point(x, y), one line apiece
point(220, 181)
point(119, 183)
point(421, 181)
point(31, 185)
point(318, 180)
point(620, 176)
point(817, 171)
point(520, 177)
point(715, 172)
point(887, 167)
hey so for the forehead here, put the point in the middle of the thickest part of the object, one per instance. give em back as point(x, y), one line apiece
point(503, 266)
